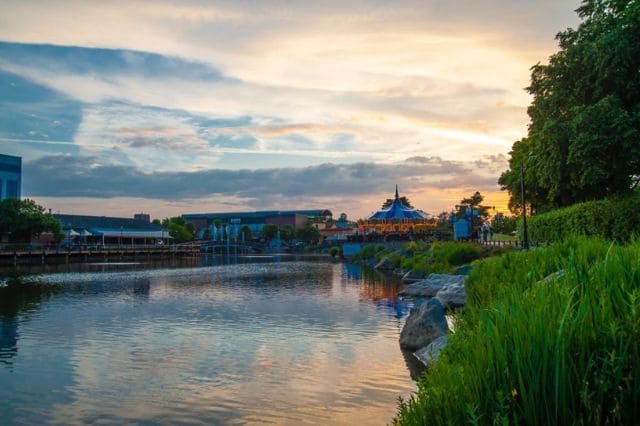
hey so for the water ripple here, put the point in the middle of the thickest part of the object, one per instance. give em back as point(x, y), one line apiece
point(280, 343)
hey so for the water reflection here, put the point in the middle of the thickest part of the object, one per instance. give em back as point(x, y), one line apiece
point(283, 342)
point(8, 340)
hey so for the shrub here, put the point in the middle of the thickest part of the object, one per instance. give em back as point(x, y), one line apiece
point(528, 350)
point(335, 251)
point(614, 219)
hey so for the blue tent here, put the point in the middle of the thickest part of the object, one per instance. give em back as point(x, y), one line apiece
point(398, 211)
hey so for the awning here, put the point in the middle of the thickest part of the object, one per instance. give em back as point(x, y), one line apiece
point(129, 233)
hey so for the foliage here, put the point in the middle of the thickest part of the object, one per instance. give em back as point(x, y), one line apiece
point(504, 224)
point(440, 257)
point(287, 232)
point(373, 251)
point(308, 234)
point(613, 218)
point(390, 201)
point(245, 233)
point(269, 231)
point(335, 251)
point(20, 220)
point(206, 234)
point(565, 350)
point(585, 115)
point(179, 229)
point(474, 203)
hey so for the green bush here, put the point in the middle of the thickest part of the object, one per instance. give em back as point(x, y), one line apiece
point(371, 252)
point(335, 251)
point(532, 351)
point(614, 219)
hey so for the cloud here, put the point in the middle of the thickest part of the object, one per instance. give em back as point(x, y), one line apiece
point(73, 176)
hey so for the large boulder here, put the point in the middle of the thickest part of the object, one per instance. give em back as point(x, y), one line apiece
point(452, 296)
point(385, 264)
point(412, 276)
point(425, 323)
point(432, 285)
point(431, 352)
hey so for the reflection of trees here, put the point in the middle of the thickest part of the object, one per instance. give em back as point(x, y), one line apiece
point(17, 299)
point(376, 286)
point(382, 290)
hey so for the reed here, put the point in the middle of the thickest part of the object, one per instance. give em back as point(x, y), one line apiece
point(565, 350)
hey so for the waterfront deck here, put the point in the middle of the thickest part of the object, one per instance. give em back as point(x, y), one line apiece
point(45, 255)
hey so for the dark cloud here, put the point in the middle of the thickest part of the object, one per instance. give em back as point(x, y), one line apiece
point(106, 62)
point(74, 176)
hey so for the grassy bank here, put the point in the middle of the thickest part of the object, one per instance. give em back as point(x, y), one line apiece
point(439, 257)
point(561, 351)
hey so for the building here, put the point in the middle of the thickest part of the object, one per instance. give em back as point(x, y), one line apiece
point(110, 231)
point(256, 220)
point(397, 218)
point(10, 176)
point(143, 217)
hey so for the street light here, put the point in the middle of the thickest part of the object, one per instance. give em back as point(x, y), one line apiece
point(525, 231)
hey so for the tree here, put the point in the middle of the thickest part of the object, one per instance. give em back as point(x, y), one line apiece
point(287, 232)
point(245, 232)
point(269, 231)
point(20, 220)
point(473, 202)
point(206, 235)
point(390, 201)
point(308, 234)
point(584, 135)
point(180, 230)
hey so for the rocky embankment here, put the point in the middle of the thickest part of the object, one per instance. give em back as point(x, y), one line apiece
point(425, 331)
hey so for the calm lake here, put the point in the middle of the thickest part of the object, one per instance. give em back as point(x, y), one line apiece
point(283, 342)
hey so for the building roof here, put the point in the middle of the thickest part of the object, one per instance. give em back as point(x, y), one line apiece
point(258, 214)
point(87, 222)
point(397, 210)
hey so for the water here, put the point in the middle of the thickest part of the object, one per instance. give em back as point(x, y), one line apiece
point(276, 342)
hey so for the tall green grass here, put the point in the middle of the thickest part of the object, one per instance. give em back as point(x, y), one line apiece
point(529, 351)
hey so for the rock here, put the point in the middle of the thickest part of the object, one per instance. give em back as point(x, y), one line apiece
point(385, 265)
point(412, 276)
point(399, 272)
point(432, 285)
point(431, 352)
point(452, 296)
point(463, 270)
point(424, 324)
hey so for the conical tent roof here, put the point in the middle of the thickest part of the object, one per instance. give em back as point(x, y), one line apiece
point(397, 210)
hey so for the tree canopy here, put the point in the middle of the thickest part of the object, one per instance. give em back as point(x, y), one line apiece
point(179, 229)
point(390, 201)
point(584, 135)
point(20, 220)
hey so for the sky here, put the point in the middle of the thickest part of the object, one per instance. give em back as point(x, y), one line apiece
point(207, 106)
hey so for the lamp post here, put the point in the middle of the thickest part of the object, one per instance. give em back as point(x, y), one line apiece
point(525, 231)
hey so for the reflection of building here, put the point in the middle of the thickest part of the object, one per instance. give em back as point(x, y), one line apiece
point(256, 220)
point(10, 176)
point(397, 218)
point(109, 230)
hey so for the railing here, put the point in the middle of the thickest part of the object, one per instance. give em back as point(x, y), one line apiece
point(512, 243)
point(88, 248)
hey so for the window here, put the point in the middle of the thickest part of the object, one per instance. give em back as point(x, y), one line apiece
point(12, 189)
